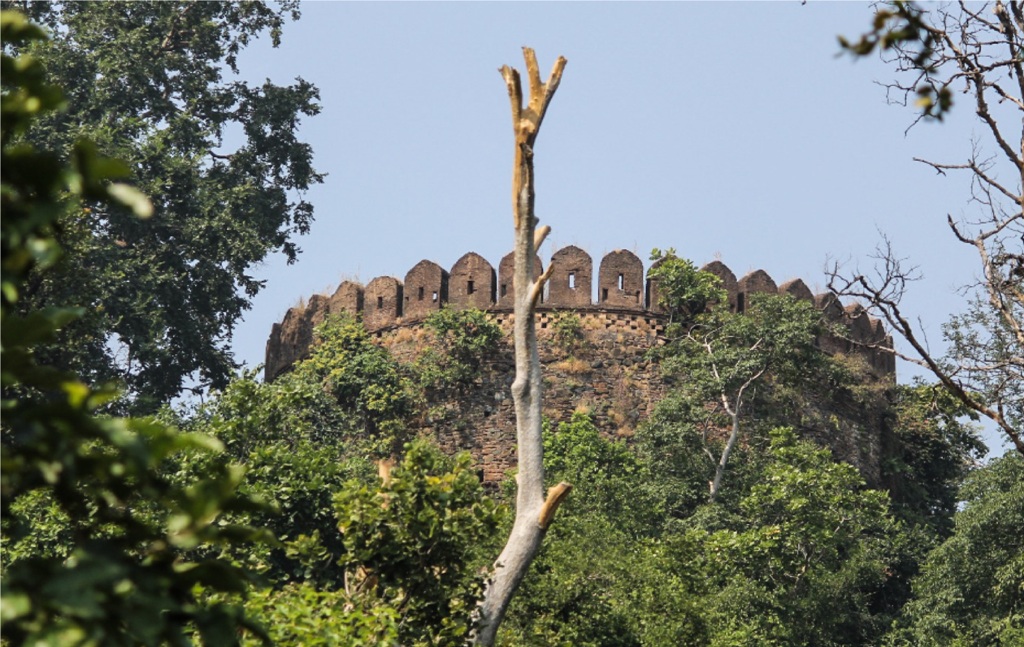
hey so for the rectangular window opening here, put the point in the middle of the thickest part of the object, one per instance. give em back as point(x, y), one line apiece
point(380, 303)
point(504, 289)
point(572, 280)
point(469, 287)
point(604, 294)
point(621, 282)
point(419, 294)
point(433, 297)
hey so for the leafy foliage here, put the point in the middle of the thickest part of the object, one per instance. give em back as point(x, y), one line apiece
point(249, 414)
point(807, 550)
point(601, 578)
point(567, 332)
point(362, 377)
point(220, 158)
point(683, 290)
point(119, 572)
point(388, 555)
point(724, 358)
point(283, 434)
point(301, 614)
point(936, 450)
point(724, 351)
point(417, 543)
point(971, 587)
point(671, 446)
point(462, 339)
point(611, 475)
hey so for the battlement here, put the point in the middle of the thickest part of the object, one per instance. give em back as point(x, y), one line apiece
point(622, 287)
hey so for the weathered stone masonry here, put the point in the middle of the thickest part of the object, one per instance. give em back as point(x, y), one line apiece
point(607, 373)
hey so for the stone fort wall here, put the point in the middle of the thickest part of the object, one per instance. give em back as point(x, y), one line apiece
point(623, 289)
point(608, 374)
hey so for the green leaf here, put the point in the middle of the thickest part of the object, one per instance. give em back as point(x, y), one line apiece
point(132, 198)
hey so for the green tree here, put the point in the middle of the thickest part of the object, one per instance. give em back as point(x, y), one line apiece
point(421, 543)
point(802, 562)
point(126, 574)
point(462, 340)
point(363, 378)
point(723, 357)
point(388, 554)
point(935, 450)
point(302, 614)
point(615, 477)
point(971, 587)
point(150, 83)
point(299, 448)
point(683, 290)
point(604, 578)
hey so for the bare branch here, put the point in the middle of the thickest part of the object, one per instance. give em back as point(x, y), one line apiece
point(884, 299)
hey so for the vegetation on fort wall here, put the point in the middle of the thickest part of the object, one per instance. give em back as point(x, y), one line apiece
point(683, 290)
point(568, 335)
point(461, 341)
point(363, 378)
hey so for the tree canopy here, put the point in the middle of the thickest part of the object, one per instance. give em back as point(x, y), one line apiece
point(100, 545)
point(151, 84)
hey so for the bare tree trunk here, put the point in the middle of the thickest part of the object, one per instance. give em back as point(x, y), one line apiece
point(716, 483)
point(533, 512)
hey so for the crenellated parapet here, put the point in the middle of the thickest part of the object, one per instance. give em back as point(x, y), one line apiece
point(623, 288)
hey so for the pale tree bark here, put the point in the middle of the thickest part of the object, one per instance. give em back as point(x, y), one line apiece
point(733, 411)
point(732, 406)
point(534, 512)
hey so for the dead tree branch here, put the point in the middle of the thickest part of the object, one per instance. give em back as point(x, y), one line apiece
point(976, 50)
point(534, 512)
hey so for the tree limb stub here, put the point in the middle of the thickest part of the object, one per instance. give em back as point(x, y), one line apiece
point(538, 286)
point(556, 494)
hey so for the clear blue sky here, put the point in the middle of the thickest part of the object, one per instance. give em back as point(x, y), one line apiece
point(725, 130)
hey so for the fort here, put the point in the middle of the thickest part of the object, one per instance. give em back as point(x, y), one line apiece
point(623, 289)
point(609, 374)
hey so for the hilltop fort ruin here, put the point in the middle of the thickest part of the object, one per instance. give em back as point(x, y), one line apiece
point(609, 375)
point(624, 293)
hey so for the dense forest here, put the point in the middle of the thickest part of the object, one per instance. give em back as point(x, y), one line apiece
point(309, 511)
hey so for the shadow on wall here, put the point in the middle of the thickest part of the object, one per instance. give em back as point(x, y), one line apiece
point(386, 302)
